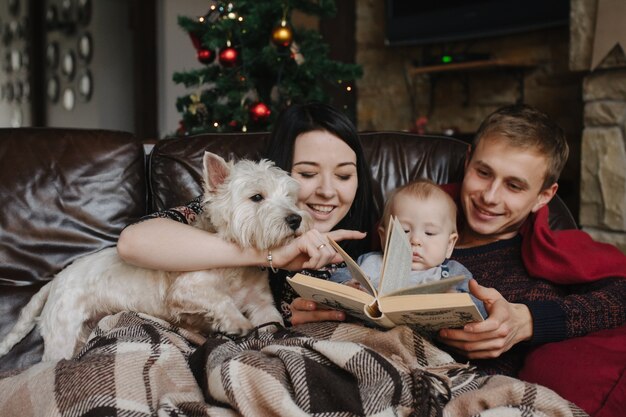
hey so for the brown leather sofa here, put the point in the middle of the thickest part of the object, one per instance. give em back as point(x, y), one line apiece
point(66, 192)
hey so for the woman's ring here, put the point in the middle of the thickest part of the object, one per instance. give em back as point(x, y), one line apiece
point(321, 246)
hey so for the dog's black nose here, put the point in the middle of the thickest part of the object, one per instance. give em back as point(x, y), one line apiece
point(293, 220)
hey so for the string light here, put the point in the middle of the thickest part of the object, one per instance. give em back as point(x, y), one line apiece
point(216, 124)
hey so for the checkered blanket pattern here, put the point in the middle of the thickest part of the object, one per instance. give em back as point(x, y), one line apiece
point(136, 365)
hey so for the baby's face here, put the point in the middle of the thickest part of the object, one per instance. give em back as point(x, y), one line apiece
point(429, 228)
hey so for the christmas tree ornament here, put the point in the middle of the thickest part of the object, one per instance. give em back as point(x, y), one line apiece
point(295, 53)
point(229, 57)
point(182, 130)
point(260, 63)
point(198, 108)
point(205, 56)
point(282, 35)
point(259, 112)
point(195, 40)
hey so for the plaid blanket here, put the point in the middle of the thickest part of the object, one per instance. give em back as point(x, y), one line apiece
point(136, 365)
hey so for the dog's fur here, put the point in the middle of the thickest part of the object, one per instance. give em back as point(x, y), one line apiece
point(252, 204)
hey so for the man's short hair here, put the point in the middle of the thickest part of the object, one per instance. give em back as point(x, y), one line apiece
point(526, 127)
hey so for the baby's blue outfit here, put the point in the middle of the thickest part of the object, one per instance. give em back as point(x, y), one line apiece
point(372, 262)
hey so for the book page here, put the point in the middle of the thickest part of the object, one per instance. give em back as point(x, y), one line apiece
point(332, 294)
point(356, 271)
point(396, 260)
point(433, 287)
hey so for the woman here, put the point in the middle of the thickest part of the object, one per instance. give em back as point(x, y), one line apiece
point(321, 149)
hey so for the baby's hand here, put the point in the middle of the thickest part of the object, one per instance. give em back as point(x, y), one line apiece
point(355, 284)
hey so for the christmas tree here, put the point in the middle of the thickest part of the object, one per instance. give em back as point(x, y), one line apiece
point(253, 63)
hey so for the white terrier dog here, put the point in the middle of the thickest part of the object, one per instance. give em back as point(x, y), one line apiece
point(248, 203)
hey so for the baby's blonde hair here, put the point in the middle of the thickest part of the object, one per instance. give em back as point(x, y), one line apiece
point(422, 188)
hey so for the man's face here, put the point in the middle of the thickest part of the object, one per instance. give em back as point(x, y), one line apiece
point(501, 187)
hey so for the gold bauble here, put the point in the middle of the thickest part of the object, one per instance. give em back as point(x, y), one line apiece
point(282, 36)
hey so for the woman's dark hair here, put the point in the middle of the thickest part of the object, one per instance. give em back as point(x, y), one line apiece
point(302, 118)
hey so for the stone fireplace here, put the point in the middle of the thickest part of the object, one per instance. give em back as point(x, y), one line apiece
point(590, 104)
point(603, 147)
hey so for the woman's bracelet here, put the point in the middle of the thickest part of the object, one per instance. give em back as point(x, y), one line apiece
point(269, 261)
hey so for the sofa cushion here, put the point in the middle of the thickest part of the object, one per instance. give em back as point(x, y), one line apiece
point(64, 193)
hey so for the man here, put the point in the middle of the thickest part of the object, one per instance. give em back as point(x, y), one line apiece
point(511, 174)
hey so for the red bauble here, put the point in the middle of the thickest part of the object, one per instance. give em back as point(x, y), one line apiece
point(259, 112)
point(206, 56)
point(229, 57)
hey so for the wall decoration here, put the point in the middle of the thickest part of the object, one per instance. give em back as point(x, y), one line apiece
point(25, 58)
point(15, 76)
point(17, 119)
point(52, 89)
point(19, 90)
point(6, 62)
point(85, 84)
point(52, 55)
point(16, 30)
point(68, 66)
point(16, 60)
point(8, 92)
point(69, 40)
point(85, 47)
point(26, 91)
point(84, 11)
point(69, 99)
point(52, 17)
point(66, 9)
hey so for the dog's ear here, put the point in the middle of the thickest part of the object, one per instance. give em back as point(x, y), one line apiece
point(216, 170)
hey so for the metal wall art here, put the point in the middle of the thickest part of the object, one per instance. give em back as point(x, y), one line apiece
point(52, 55)
point(69, 52)
point(84, 47)
point(53, 88)
point(69, 98)
point(14, 63)
point(85, 84)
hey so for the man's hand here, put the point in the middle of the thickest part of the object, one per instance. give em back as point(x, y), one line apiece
point(507, 325)
point(307, 311)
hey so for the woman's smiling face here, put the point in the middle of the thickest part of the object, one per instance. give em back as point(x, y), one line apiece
point(325, 167)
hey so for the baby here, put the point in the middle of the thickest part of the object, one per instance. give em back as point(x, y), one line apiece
point(428, 216)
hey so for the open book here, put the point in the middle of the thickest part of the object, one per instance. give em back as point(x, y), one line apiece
point(429, 305)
